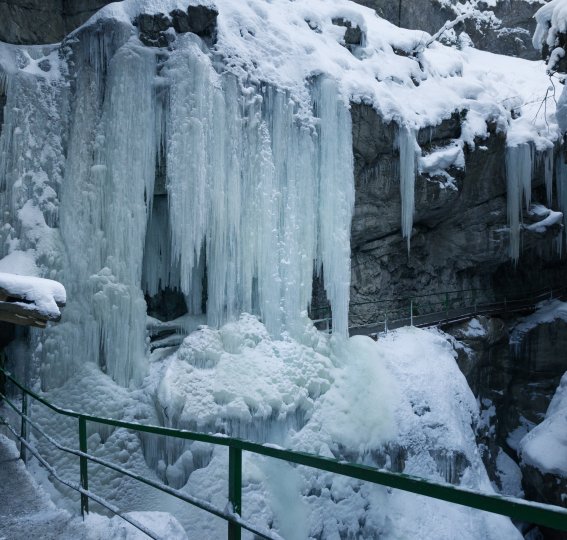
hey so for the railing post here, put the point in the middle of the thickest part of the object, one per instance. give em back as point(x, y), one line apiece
point(234, 489)
point(24, 427)
point(83, 465)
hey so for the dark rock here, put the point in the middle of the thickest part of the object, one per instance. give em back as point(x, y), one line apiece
point(514, 385)
point(180, 21)
point(353, 34)
point(152, 24)
point(153, 28)
point(544, 487)
point(371, 137)
point(512, 37)
point(202, 20)
point(443, 133)
point(32, 22)
point(44, 65)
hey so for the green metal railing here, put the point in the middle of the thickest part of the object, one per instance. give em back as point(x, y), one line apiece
point(531, 512)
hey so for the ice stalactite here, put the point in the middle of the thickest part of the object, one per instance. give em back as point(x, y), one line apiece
point(336, 199)
point(519, 169)
point(561, 189)
point(407, 146)
point(548, 175)
point(261, 188)
point(109, 180)
point(256, 193)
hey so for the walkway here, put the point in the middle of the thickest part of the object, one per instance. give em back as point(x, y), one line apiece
point(25, 510)
point(439, 309)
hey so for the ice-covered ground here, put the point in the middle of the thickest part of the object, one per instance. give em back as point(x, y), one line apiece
point(26, 511)
point(399, 403)
point(545, 445)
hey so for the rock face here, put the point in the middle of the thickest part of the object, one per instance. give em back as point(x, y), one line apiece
point(515, 384)
point(200, 20)
point(30, 22)
point(511, 37)
point(48, 21)
point(460, 236)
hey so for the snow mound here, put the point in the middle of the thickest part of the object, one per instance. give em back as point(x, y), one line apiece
point(547, 312)
point(45, 295)
point(545, 446)
point(551, 20)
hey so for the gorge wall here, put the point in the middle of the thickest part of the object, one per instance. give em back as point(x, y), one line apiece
point(48, 21)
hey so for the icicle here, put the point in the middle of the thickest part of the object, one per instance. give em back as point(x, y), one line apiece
point(336, 199)
point(548, 175)
point(519, 167)
point(561, 188)
point(108, 188)
point(242, 181)
point(407, 145)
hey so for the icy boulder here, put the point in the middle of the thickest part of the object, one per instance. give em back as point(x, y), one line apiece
point(543, 452)
point(400, 404)
point(240, 381)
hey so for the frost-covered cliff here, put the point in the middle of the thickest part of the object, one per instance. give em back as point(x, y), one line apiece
point(175, 164)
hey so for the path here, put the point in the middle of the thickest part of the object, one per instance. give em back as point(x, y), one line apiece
point(25, 510)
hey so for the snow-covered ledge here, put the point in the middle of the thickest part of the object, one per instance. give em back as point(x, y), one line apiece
point(30, 301)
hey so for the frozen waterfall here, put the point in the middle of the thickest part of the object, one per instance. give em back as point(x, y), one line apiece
point(519, 168)
point(408, 156)
point(257, 193)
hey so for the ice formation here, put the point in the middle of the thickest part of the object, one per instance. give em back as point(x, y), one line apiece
point(408, 157)
point(519, 170)
point(259, 192)
point(227, 174)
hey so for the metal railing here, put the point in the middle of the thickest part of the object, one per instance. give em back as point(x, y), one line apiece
point(435, 308)
point(542, 514)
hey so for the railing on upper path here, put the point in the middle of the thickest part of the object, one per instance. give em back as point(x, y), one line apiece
point(435, 308)
point(541, 514)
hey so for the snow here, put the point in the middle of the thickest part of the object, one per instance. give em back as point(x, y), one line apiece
point(550, 218)
point(306, 395)
point(551, 19)
point(545, 446)
point(546, 313)
point(281, 49)
point(44, 294)
point(442, 158)
point(509, 474)
point(474, 328)
point(27, 511)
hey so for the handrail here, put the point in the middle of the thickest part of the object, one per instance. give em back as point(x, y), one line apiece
point(542, 514)
point(531, 294)
point(445, 309)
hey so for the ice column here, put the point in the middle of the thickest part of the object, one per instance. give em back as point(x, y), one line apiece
point(519, 166)
point(407, 146)
point(266, 191)
point(561, 187)
point(336, 199)
point(104, 209)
